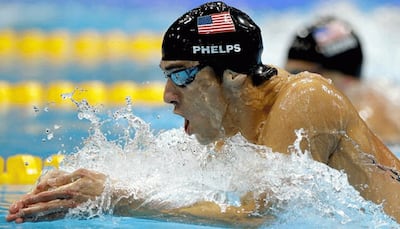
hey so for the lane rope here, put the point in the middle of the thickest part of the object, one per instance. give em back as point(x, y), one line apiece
point(60, 46)
point(57, 93)
point(24, 169)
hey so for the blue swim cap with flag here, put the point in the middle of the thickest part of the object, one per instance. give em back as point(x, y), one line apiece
point(215, 34)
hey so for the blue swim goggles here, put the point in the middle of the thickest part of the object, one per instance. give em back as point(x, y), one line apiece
point(183, 77)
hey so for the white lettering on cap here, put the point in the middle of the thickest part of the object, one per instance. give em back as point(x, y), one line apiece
point(334, 38)
point(339, 47)
point(216, 49)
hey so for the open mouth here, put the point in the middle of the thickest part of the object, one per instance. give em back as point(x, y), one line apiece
point(186, 125)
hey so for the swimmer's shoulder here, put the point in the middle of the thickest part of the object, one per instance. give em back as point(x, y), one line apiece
point(304, 80)
point(301, 76)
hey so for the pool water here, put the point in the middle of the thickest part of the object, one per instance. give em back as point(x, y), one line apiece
point(32, 139)
point(151, 161)
point(9, 193)
point(316, 195)
point(27, 130)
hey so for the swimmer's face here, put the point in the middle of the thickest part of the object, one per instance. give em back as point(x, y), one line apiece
point(200, 102)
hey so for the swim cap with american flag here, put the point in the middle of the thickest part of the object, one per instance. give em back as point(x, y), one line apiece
point(215, 33)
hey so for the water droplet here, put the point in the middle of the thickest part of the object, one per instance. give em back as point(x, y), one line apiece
point(66, 95)
point(128, 100)
point(50, 136)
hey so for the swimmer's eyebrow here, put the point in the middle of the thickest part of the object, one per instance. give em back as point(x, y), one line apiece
point(173, 66)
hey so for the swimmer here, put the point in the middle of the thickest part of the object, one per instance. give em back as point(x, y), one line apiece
point(216, 81)
point(332, 48)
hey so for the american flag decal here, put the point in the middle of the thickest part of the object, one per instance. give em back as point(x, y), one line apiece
point(215, 23)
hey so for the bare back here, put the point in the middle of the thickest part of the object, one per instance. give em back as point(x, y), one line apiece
point(335, 135)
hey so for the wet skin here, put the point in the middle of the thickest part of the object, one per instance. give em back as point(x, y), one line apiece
point(380, 114)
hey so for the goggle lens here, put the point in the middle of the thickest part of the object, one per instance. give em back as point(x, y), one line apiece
point(185, 76)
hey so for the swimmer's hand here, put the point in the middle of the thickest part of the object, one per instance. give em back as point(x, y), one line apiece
point(55, 194)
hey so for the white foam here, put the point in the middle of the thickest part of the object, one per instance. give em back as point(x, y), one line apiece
point(170, 169)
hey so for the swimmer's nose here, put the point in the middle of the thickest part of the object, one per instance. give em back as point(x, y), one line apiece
point(170, 93)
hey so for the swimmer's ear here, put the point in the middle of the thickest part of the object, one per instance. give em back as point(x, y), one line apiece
point(233, 79)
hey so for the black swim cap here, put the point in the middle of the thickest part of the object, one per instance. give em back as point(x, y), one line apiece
point(330, 42)
point(215, 34)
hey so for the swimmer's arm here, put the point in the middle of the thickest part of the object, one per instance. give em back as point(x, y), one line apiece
point(249, 214)
point(59, 191)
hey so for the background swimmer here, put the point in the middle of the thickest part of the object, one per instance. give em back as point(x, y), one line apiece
point(329, 46)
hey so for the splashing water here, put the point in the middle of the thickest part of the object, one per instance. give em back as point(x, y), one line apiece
point(170, 169)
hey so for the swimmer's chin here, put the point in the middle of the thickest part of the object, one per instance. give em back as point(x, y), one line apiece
point(206, 141)
point(202, 141)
